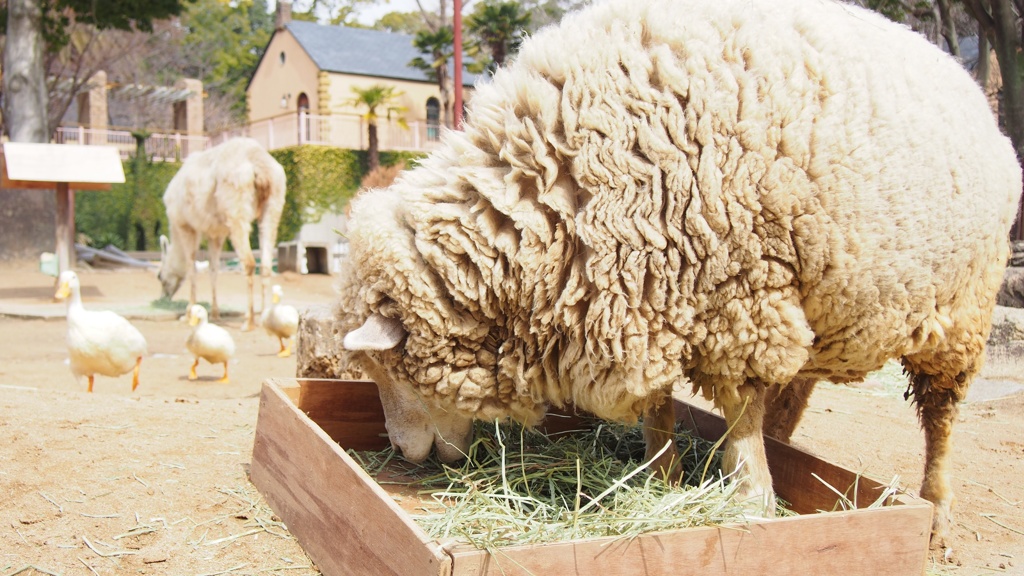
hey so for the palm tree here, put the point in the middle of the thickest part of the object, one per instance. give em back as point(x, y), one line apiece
point(439, 47)
point(374, 98)
point(499, 28)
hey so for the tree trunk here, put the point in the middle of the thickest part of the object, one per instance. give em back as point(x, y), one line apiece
point(1006, 42)
point(372, 148)
point(948, 28)
point(982, 72)
point(444, 86)
point(24, 85)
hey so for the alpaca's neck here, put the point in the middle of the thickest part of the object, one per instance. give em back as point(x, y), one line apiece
point(178, 258)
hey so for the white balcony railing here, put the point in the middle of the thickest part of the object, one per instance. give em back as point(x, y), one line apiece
point(339, 130)
point(160, 147)
point(342, 131)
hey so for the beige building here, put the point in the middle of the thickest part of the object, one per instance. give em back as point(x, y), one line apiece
point(312, 68)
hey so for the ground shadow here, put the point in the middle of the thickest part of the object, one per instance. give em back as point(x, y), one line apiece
point(44, 292)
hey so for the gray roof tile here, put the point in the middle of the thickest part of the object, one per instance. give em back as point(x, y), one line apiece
point(359, 51)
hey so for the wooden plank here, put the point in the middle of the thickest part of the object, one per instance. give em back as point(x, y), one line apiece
point(345, 521)
point(62, 163)
point(348, 411)
point(792, 469)
point(891, 540)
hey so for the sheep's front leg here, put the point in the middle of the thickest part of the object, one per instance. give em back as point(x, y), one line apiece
point(659, 430)
point(744, 451)
point(785, 405)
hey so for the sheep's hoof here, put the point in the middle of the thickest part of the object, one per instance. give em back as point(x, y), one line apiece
point(941, 542)
point(757, 503)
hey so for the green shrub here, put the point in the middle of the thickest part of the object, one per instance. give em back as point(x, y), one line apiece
point(132, 216)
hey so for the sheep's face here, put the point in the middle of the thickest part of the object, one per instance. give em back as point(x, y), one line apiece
point(414, 423)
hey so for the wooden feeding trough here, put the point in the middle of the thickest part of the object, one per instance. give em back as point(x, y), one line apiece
point(350, 525)
point(64, 168)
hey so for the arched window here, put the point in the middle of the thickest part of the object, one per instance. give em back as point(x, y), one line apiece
point(433, 119)
point(302, 109)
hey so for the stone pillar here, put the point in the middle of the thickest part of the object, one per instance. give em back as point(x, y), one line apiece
point(188, 115)
point(92, 108)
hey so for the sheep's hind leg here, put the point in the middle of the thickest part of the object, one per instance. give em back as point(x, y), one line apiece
point(744, 451)
point(785, 406)
point(936, 398)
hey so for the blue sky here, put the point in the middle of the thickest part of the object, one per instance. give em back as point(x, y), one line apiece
point(371, 13)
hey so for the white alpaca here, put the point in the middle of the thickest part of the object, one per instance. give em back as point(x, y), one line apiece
point(215, 195)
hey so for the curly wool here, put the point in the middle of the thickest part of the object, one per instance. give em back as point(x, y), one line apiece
point(662, 190)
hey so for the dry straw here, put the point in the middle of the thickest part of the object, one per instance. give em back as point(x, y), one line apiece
point(519, 486)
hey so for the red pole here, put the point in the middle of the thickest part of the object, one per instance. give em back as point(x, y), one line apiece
point(457, 112)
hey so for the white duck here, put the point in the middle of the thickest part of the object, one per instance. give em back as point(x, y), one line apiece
point(99, 342)
point(281, 321)
point(209, 342)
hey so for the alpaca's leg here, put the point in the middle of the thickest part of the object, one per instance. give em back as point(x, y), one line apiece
point(214, 247)
point(240, 240)
point(193, 253)
point(269, 221)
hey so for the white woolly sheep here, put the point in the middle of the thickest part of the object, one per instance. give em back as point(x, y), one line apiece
point(745, 195)
point(217, 194)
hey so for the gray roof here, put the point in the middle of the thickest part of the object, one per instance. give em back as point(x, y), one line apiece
point(360, 51)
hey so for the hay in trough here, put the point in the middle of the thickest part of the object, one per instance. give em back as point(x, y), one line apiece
point(520, 486)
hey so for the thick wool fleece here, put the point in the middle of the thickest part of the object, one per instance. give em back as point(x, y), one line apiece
point(662, 190)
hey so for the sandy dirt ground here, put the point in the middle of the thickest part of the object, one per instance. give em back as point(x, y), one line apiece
point(155, 481)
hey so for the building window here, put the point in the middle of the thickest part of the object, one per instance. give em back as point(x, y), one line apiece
point(433, 119)
point(282, 57)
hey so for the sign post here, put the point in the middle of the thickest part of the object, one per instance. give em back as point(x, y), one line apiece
point(64, 168)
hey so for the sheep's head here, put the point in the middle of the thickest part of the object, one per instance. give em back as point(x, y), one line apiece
point(414, 423)
point(170, 274)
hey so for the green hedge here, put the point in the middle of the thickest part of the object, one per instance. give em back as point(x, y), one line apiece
point(131, 216)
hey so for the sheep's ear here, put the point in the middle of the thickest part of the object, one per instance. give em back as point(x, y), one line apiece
point(377, 333)
point(165, 243)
